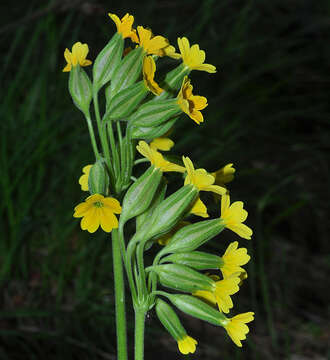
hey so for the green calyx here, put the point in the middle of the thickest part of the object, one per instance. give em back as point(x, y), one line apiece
point(80, 88)
point(98, 179)
point(197, 260)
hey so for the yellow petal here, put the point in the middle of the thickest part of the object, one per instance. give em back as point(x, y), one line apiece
point(113, 205)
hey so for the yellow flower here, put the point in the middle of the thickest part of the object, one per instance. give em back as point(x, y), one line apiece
point(200, 178)
point(151, 44)
point(222, 291)
point(233, 216)
point(97, 210)
point(236, 327)
point(199, 209)
point(189, 103)
point(148, 70)
point(224, 175)
point(83, 180)
point(233, 259)
point(187, 345)
point(164, 239)
point(124, 26)
point(77, 56)
point(157, 159)
point(162, 143)
point(193, 57)
point(169, 51)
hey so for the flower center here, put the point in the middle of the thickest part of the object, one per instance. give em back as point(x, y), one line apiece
point(98, 204)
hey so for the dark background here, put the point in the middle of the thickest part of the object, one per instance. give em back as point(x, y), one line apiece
point(268, 114)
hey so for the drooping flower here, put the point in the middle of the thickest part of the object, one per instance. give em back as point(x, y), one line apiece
point(236, 327)
point(233, 216)
point(233, 259)
point(124, 26)
point(200, 178)
point(77, 56)
point(151, 44)
point(187, 345)
point(83, 180)
point(148, 70)
point(162, 143)
point(222, 290)
point(193, 57)
point(96, 211)
point(199, 209)
point(224, 175)
point(157, 159)
point(189, 103)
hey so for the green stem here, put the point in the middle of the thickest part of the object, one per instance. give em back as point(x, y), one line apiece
point(103, 137)
point(92, 135)
point(119, 297)
point(139, 334)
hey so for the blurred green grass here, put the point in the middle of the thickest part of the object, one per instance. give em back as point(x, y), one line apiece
point(268, 114)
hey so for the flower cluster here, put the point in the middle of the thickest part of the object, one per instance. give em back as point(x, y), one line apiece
point(139, 115)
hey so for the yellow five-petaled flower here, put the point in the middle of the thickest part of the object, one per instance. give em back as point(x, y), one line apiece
point(124, 25)
point(236, 327)
point(157, 159)
point(193, 57)
point(189, 103)
point(233, 217)
point(233, 259)
point(77, 56)
point(155, 45)
point(96, 211)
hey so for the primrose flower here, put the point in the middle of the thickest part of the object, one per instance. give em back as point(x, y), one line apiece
point(220, 295)
point(77, 56)
point(148, 70)
point(200, 178)
point(222, 291)
point(189, 103)
point(233, 259)
point(156, 158)
point(236, 327)
point(187, 345)
point(224, 175)
point(162, 143)
point(193, 57)
point(199, 209)
point(151, 44)
point(83, 180)
point(98, 210)
point(233, 216)
point(124, 26)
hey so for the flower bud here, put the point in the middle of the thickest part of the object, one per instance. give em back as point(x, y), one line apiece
point(107, 60)
point(98, 179)
point(152, 132)
point(182, 278)
point(155, 113)
point(193, 236)
point(197, 308)
point(127, 71)
point(197, 260)
point(80, 88)
point(140, 194)
point(169, 319)
point(126, 101)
